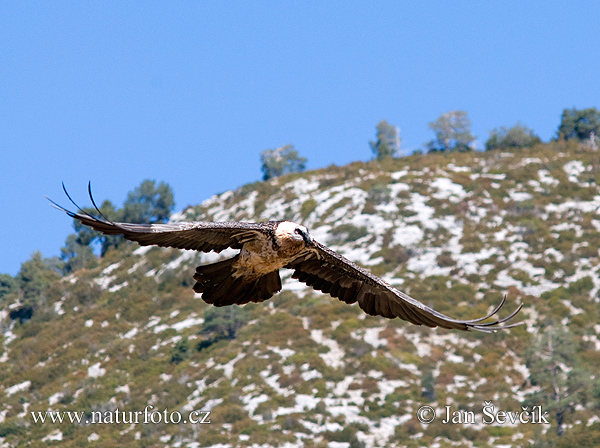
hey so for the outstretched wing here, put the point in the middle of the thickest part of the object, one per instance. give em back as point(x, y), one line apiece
point(200, 236)
point(329, 272)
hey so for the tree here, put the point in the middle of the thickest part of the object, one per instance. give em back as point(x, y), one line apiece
point(280, 161)
point(388, 141)
point(34, 279)
point(452, 132)
point(428, 384)
point(517, 136)
point(556, 369)
point(8, 285)
point(75, 255)
point(149, 203)
point(581, 124)
point(181, 351)
point(224, 322)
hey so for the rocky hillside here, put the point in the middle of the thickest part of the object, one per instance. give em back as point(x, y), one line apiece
point(455, 230)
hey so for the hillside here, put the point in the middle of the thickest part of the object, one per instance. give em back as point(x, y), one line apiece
point(455, 230)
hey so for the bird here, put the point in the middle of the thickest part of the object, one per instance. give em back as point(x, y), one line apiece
point(252, 275)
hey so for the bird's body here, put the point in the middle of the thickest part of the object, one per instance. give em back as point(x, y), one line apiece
point(253, 274)
point(270, 252)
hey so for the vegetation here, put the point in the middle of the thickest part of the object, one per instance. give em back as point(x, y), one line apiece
point(388, 141)
point(559, 374)
point(452, 132)
point(512, 138)
point(580, 124)
point(148, 203)
point(280, 161)
point(224, 323)
point(8, 285)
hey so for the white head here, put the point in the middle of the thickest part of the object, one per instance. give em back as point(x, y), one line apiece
point(288, 230)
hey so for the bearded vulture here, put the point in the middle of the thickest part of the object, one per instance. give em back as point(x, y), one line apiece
point(253, 274)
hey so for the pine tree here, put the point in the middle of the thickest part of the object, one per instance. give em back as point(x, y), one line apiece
point(388, 141)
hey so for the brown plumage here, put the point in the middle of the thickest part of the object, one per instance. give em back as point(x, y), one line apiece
point(253, 274)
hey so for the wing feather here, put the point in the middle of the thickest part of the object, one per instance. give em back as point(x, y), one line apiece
point(200, 236)
point(326, 270)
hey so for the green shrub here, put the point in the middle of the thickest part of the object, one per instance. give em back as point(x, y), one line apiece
point(307, 208)
point(346, 233)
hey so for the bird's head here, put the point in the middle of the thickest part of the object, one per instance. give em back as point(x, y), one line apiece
point(290, 231)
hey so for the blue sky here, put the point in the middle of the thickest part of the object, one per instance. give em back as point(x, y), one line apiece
point(191, 92)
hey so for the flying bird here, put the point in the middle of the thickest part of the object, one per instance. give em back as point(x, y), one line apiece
point(264, 248)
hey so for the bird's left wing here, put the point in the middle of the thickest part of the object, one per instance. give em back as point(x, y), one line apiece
point(200, 236)
point(325, 270)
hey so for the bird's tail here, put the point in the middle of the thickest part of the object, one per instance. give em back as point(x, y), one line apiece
point(220, 288)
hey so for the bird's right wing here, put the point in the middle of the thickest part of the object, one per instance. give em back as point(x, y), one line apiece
point(199, 235)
